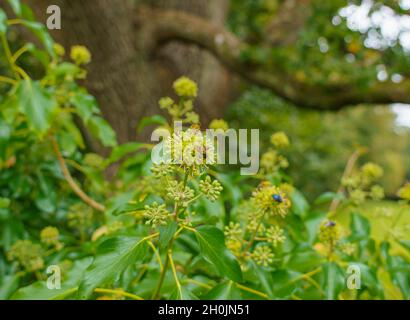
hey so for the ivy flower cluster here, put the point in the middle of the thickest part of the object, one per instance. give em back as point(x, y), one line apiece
point(191, 150)
point(30, 256)
point(361, 185)
point(156, 215)
point(187, 91)
point(183, 178)
point(404, 192)
point(272, 161)
point(261, 233)
point(27, 254)
point(271, 200)
point(211, 189)
point(50, 237)
point(330, 235)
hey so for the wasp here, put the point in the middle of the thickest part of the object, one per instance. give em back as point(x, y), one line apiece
point(277, 198)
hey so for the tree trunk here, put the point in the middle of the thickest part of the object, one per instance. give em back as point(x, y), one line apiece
point(125, 79)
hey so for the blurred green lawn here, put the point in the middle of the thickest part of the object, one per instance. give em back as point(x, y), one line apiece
point(382, 215)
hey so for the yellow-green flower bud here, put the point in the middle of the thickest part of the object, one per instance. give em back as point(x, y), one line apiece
point(372, 171)
point(329, 232)
point(377, 192)
point(80, 55)
point(279, 140)
point(49, 235)
point(219, 124)
point(275, 235)
point(156, 215)
point(59, 49)
point(185, 87)
point(263, 256)
point(404, 192)
point(211, 189)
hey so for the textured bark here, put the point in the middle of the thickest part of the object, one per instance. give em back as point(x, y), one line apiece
point(137, 53)
point(127, 79)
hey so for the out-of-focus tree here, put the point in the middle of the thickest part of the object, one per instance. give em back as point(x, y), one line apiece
point(306, 51)
point(323, 141)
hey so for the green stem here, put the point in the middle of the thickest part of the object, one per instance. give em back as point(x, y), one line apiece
point(157, 291)
point(9, 56)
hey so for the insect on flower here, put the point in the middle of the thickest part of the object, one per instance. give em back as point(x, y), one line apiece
point(277, 198)
point(330, 224)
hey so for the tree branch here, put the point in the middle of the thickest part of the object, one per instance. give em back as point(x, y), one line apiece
point(77, 190)
point(285, 27)
point(158, 27)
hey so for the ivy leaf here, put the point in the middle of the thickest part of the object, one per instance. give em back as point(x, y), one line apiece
point(212, 247)
point(113, 257)
point(8, 284)
point(300, 206)
point(122, 150)
point(284, 284)
point(333, 280)
point(360, 227)
point(224, 291)
point(39, 290)
point(16, 6)
point(166, 233)
point(103, 131)
point(41, 32)
point(182, 294)
point(85, 104)
point(37, 104)
point(3, 22)
point(329, 196)
point(147, 121)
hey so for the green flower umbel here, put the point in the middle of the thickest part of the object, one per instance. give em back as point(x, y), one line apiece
point(185, 87)
point(156, 215)
point(211, 189)
point(263, 256)
point(27, 254)
point(271, 200)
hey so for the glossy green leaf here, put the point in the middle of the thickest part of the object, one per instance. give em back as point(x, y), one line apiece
point(182, 294)
point(166, 233)
point(148, 121)
point(37, 104)
point(113, 257)
point(224, 291)
point(16, 6)
point(85, 104)
point(333, 280)
point(359, 226)
point(284, 283)
point(41, 32)
point(300, 206)
point(328, 197)
point(69, 285)
point(101, 129)
point(212, 247)
point(122, 150)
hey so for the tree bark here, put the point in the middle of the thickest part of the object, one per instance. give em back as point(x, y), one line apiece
point(127, 79)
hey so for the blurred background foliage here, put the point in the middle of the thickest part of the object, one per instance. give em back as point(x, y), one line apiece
point(330, 47)
point(323, 141)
